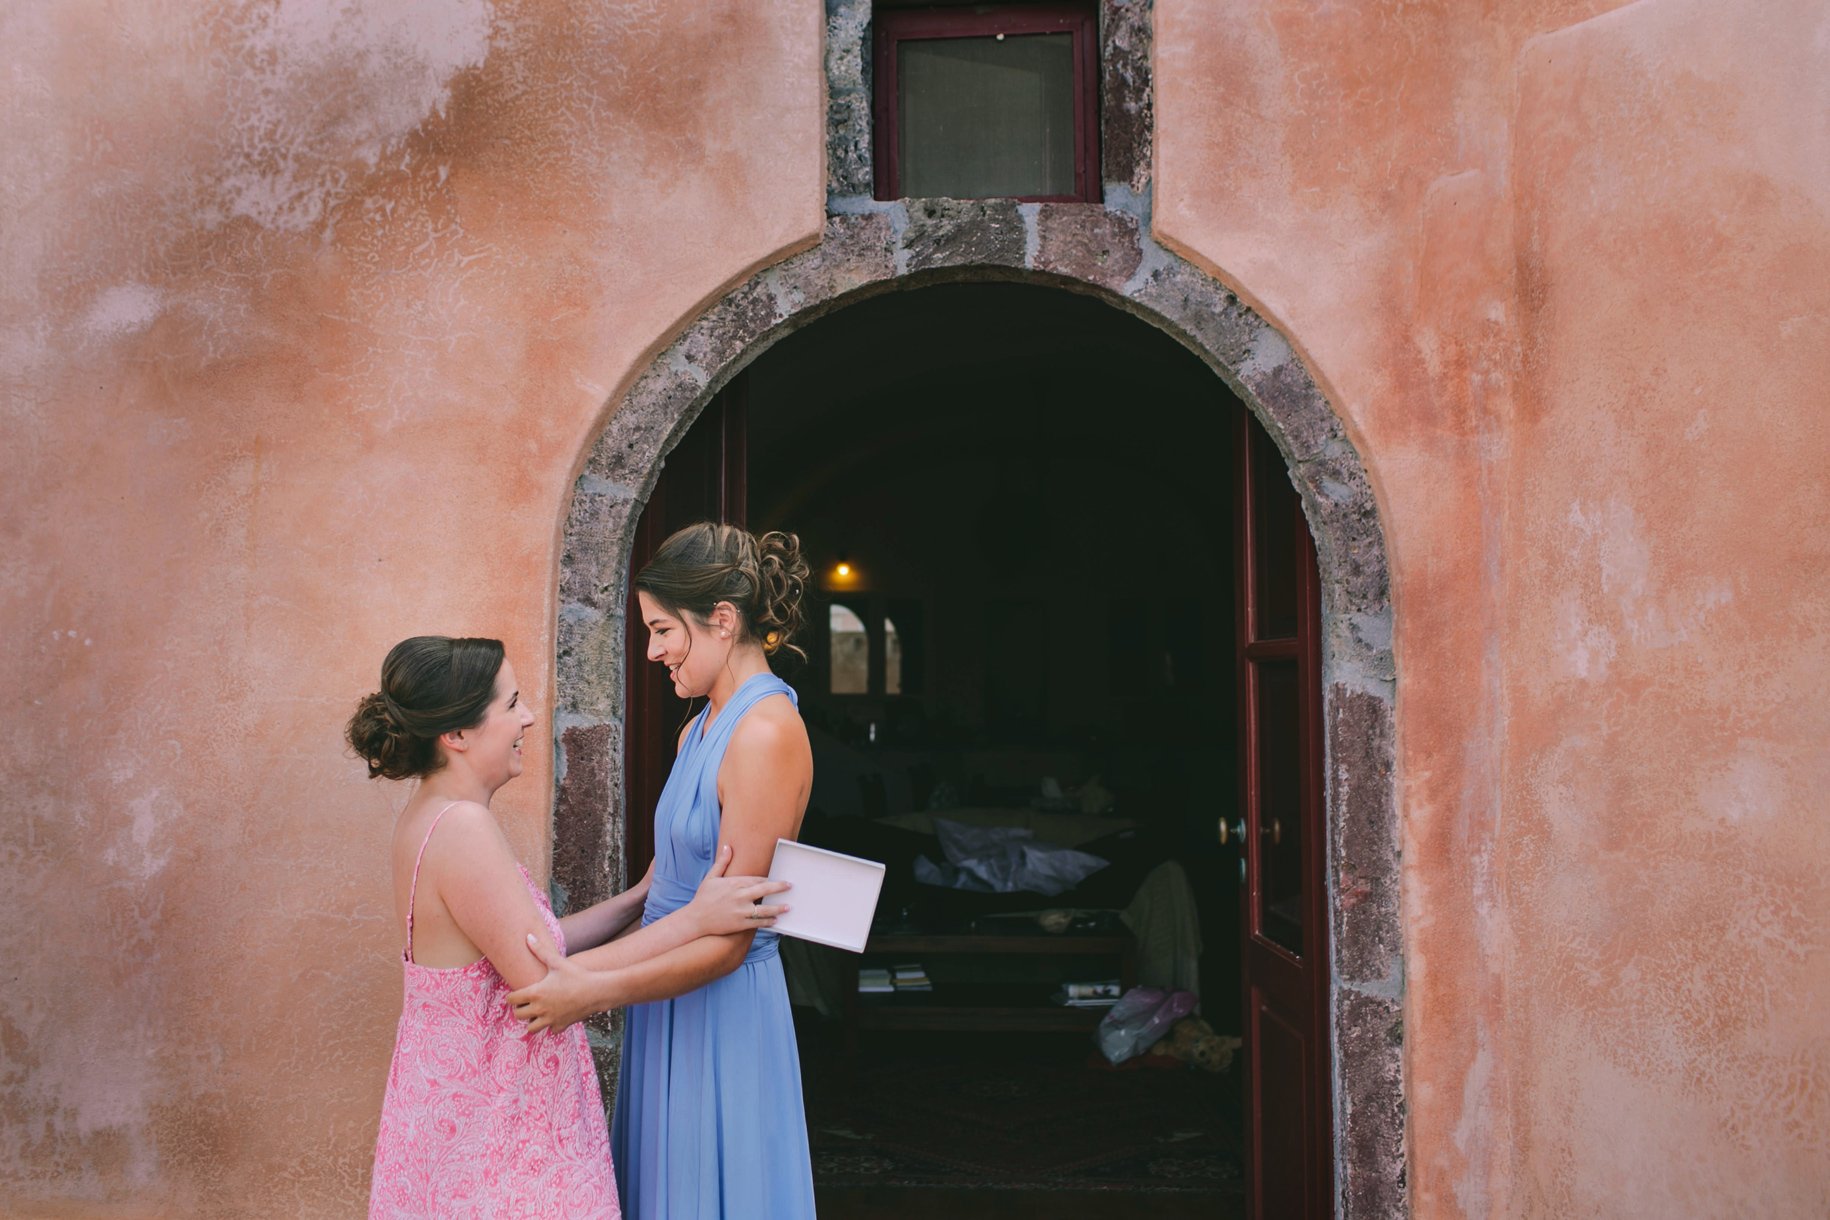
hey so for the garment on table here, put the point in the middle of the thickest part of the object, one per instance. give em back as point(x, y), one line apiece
point(482, 1121)
point(710, 1123)
point(1163, 917)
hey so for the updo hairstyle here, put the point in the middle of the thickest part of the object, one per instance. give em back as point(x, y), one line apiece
point(704, 564)
point(430, 684)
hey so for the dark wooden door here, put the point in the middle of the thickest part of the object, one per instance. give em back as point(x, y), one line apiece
point(703, 479)
point(1289, 1143)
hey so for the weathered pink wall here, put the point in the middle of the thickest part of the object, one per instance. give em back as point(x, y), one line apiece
point(311, 309)
point(1566, 271)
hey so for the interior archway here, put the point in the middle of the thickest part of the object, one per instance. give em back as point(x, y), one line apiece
point(1088, 251)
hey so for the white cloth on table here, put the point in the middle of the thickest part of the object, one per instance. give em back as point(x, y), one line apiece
point(1163, 918)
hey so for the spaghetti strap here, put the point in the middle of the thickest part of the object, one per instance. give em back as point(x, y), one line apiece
point(413, 887)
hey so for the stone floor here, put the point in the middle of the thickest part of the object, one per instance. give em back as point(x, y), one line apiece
point(967, 1125)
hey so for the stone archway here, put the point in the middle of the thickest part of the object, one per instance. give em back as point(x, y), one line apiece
point(1105, 252)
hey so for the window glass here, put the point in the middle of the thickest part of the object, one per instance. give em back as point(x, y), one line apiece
point(1275, 514)
point(984, 117)
point(892, 658)
point(850, 652)
point(1280, 804)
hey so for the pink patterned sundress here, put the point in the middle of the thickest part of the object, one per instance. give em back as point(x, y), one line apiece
point(479, 1120)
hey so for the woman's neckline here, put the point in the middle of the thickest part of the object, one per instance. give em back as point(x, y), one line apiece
point(712, 712)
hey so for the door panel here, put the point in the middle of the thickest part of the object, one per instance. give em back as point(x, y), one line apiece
point(1277, 899)
point(1280, 837)
point(702, 479)
point(1280, 1097)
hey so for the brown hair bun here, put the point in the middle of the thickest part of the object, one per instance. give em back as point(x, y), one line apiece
point(707, 563)
point(430, 684)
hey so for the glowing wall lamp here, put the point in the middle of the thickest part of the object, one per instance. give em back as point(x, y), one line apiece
point(843, 574)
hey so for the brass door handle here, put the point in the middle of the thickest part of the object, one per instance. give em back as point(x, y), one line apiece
point(1275, 830)
point(1233, 833)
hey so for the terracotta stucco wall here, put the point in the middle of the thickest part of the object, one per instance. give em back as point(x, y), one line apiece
point(1563, 270)
point(312, 308)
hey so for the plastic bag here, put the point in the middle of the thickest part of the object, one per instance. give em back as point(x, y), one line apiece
point(1003, 860)
point(1141, 1016)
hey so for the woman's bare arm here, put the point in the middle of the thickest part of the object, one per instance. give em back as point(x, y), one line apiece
point(763, 785)
point(723, 904)
point(603, 921)
point(472, 869)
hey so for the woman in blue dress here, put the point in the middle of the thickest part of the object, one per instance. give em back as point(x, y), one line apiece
point(709, 1118)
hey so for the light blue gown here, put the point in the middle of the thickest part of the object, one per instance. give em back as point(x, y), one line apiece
point(709, 1119)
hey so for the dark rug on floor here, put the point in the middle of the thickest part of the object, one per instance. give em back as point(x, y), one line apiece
point(1017, 1112)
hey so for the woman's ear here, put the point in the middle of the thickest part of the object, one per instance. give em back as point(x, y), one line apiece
point(454, 739)
point(725, 619)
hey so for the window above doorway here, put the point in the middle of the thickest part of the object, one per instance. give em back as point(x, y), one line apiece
point(987, 102)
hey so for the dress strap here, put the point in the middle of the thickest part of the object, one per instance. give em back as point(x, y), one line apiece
point(754, 690)
point(413, 887)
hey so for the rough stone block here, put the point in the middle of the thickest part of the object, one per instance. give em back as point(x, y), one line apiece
point(850, 166)
point(1345, 523)
point(1088, 244)
point(1288, 396)
point(848, 25)
point(964, 233)
point(1360, 764)
point(1359, 645)
point(1220, 327)
point(605, 1033)
point(591, 566)
point(1126, 112)
point(729, 328)
point(855, 251)
point(1370, 1112)
point(588, 660)
point(587, 824)
point(664, 400)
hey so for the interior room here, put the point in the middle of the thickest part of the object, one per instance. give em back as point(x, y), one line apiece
point(1018, 503)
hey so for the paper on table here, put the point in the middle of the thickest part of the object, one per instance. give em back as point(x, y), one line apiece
point(834, 895)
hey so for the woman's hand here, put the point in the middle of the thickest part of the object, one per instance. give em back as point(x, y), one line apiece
point(723, 905)
point(566, 995)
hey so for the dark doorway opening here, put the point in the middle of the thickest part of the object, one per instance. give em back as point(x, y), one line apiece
point(1023, 509)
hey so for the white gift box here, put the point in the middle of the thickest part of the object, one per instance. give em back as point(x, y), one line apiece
point(834, 895)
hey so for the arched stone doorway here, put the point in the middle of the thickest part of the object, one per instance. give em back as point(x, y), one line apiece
point(1107, 253)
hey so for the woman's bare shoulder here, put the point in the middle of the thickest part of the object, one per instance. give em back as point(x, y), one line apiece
point(773, 728)
point(446, 823)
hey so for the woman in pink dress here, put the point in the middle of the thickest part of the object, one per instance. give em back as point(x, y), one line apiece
point(482, 1119)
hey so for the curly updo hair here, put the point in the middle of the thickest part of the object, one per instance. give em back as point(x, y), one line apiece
point(430, 684)
point(764, 578)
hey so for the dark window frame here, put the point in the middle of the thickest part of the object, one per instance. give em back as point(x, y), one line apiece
point(893, 26)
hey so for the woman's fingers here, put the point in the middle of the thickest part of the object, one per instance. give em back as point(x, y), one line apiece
point(762, 889)
point(722, 860)
point(768, 915)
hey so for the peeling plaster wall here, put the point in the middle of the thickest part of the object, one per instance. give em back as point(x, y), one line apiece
point(1563, 268)
point(1669, 565)
point(311, 309)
